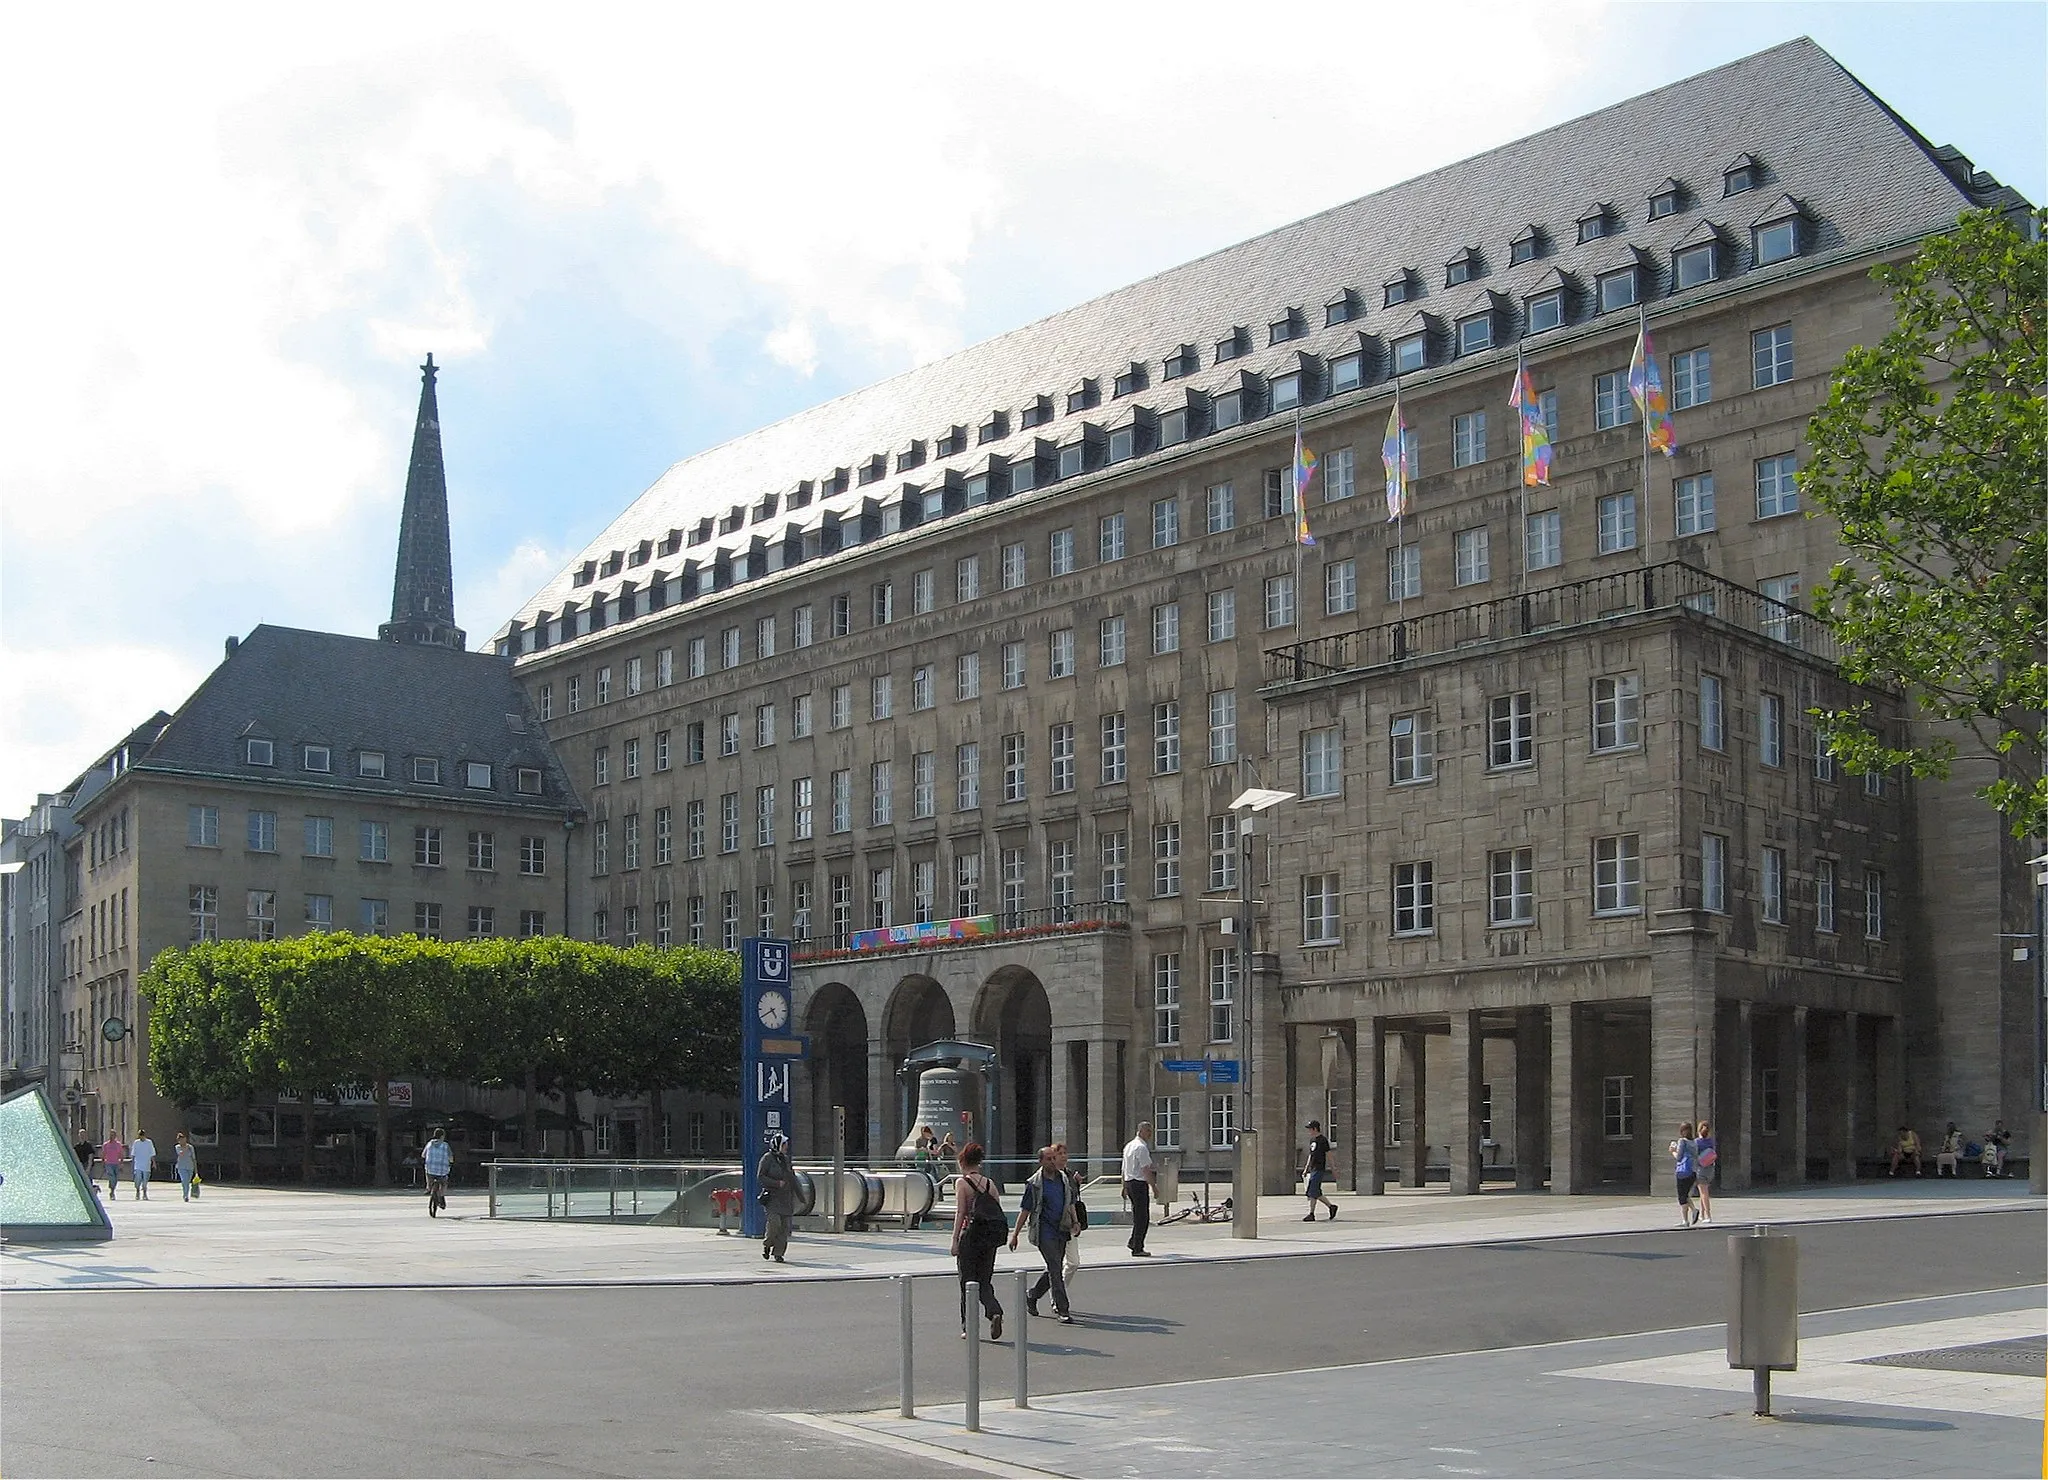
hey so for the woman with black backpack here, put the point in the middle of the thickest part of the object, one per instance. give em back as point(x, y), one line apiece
point(979, 1230)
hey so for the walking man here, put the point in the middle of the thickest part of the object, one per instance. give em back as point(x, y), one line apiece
point(141, 1157)
point(1047, 1214)
point(437, 1160)
point(778, 1197)
point(1072, 1264)
point(1316, 1170)
point(113, 1156)
point(1138, 1180)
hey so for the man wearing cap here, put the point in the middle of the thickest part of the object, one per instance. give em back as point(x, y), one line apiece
point(1315, 1169)
point(778, 1197)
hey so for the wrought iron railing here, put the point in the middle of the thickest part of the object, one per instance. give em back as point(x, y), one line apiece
point(1670, 586)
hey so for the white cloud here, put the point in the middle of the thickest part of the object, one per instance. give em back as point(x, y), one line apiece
point(68, 705)
point(794, 345)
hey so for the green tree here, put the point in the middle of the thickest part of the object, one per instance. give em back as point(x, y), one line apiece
point(1932, 453)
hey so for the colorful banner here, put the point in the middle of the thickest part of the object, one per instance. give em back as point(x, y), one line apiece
point(971, 927)
point(1535, 431)
point(1646, 386)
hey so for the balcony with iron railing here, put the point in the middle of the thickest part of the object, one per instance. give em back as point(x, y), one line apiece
point(1612, 599)
point(1084, 917)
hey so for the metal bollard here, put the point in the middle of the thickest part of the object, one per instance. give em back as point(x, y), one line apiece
point(1763, 1309)
point(1023, 1398)
point(906, 1407)
point(973, 1358)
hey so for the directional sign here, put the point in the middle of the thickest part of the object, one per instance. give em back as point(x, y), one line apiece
point(1185, 1066)
point(1224, 1071)
point(1206, 1071)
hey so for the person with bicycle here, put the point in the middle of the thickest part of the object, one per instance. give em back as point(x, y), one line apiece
point(437, 1160)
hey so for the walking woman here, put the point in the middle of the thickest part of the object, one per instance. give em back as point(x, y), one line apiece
point(979, 1230)
point(1705, 1155)
point(185, 1162)
point(1688, 1173)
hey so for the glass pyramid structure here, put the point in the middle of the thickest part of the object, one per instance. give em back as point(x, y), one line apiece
point(44, 1196)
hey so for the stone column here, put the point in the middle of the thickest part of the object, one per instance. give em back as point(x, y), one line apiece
point(1263, 1103)
point(1735, 1119)
point(1468, 1069)
point(884, 1134)
point(1368, 1105)
point(1793, 1078)
point(1067, 1090)
point(1414, 1102)
point(1569, 1169)
point(1849, 1084)
point(1532, 1142)
point(1682, 1012)
point(1105, 1096)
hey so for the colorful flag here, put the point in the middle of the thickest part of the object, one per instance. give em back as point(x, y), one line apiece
point(1394, 454)
point(1646, 387)
point(1535, 431)
point(1304, 473)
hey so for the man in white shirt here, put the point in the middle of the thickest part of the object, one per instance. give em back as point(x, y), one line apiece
point(141, 1155)
point(1138, 1178)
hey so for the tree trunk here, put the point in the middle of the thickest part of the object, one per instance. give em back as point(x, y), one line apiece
point(574, 1136)
point(529, 1139)
point(245, 1164)
point(381, 1177)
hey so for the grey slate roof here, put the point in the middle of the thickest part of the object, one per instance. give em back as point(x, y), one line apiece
point(351, 693)
point(1862, 175)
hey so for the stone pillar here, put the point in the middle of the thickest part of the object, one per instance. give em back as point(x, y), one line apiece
point(1682, 1035)
point(1794, 1076)
point(1849, 1084)
point(1735, 1119)
point(1414, 1103)
point(1263, 1101)
point(1069, 1088)
point(1105, 1097)
point(1468, 1069)
point(1368, 1105)
point(1532, 1141)
point(1569, 1169)
point(884, 1134)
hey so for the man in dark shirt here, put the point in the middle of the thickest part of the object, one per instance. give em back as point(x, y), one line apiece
point(1316, 1169)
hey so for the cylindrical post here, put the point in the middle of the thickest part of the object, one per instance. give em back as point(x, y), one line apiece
point(1760, 1390)
point(973, 1358)
point(1023, 1399)
point(839, 1169)
point(906, 1406)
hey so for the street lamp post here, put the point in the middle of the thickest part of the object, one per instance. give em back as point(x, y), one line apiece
point(1244, 1222)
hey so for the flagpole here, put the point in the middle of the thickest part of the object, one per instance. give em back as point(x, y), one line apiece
point(1521, 480)
point(1294, 481)
point(1643, 415)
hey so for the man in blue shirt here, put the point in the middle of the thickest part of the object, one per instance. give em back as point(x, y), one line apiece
point(438, 1159)
point(1048, 1216)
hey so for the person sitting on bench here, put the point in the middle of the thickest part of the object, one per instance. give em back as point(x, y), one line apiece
point(1951, 1152)
point(1994, 1150)
point(1907, 1148)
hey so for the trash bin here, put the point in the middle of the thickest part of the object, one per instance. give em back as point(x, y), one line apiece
point(1166, 1177)
point(1763, 1308)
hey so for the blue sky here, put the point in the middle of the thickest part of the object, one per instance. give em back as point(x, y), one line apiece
point(237, 232)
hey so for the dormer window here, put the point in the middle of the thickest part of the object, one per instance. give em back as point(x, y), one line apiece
point(585, 573)
point(1037, 413)
point(910, 457)
point(993, 430)
point(1184, 361)
point(1525, 248)
point(1342, 309)
point(1173, 426)
point(1776, 236)
point(953, 443)
point(1411, 352)
point(1084, 397)
point(1227, 410)
point(1285, 391)
point(528, 781)
point(1667, 201)
point(1023, 475)
point(1462, 268)
point(1290, 325)
point(873, 470)
point(1741, 175)
point(370, 763)
point(763, 512)
point(1475, 333)
point(1131, 440)
point(318, 759)
point(799, 498)
point(1618, 289)
point(1132, 380)
point(730, 523)
point(614, 563)
point(837, 483)
point(1234, 345)
point(476, 775)
point(1398, 290)
point(674, 540)
point(1544, 310)
point(426, 770)
point(1593, 225)
point(1347, 372)
point(259, 752)
point(644, 551)
point(1691, 266)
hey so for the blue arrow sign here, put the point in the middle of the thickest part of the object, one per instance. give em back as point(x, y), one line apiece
point(1223, 1071)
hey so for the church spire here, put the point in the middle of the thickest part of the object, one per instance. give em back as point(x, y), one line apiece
point(423, 588)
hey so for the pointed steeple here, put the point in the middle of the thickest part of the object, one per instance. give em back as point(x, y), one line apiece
point(423, 588)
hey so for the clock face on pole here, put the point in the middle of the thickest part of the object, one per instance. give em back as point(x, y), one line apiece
point(773, 1010)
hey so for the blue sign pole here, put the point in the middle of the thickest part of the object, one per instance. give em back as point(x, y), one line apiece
point(766, 1005)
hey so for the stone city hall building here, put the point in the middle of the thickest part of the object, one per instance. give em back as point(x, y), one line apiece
point(1002, 639)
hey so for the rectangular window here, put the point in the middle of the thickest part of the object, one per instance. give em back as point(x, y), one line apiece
point(426, 847)
point(729, 734)
point(1770, 356)
point(483, 921)
point(604, 680)
point(1512, 875)
point(1222, 727)
point(1059, 548)
point(1714, 873)
point(967, 578)
point(801, 628)
point(319, 837)
point(1340, 475)
point(881, 897)
point(1617, 523)
point(1545, 311)
point(1279, 500)
point(1772, 883)
point(729, 920)
point(881, 697)
point(426, 920)
point(1411, 353)
point(373, 916)
point(1511, 731)
point(842, 801)
point(374, 842)
point(967, 884)
point(1474, 562)
point(1059, 654)
point(1222, 994)
point(693, 743)
point(1340, 587)
point(922, 593)
point(1116, 863)
point(1115, 751)
point(1166, 629)
point(840, 706)
point(664, 667)
point(1824, 896)
point(1468, 439)
point(1110, 544)
point(1013, 665)
point(1543, 539)
point(1612, 404)
point(1222, 1122)
point(1060, 746)
point(1165, 523)
point(1770, 717)
point(633, 676)
point(1692, 379)
point(533, 850)
point(203, 901)
point(1166, 738)
point(1617, 289)
point(967, 772)
point(576, 692)
point(729, 822)
point(1412, 740)
point(1414, 898)
point(764, 726)
point(693, 827)
point(882, 603)
point(1222, 616)
point(1060, 875)
point(1777, 486)
point(1873, 904)
point(1165, 860)
point(1013, 768)
point(483, 848)
point(1222, 852)
point(1693, 498)
point(664, 838)
point(1691, 266)
point(967, 676)
point(1166, 1001)
point(1617, 875)
point(1319, 910)
point(1618, 1107)
point(694, 662)
point(1219, 507)
point(1321, 763)
point(1109, 643)
point(924, 789)
point(764, 816)
point(1013, 566)
point(1013, 887)
point(262, 832)
point(924, 891)
point(1617, 712)
point(1404, 572)
point(1713, 712)
point(842, 614)
point(1279, 601)
point(923, 687)
point(1781, 599)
